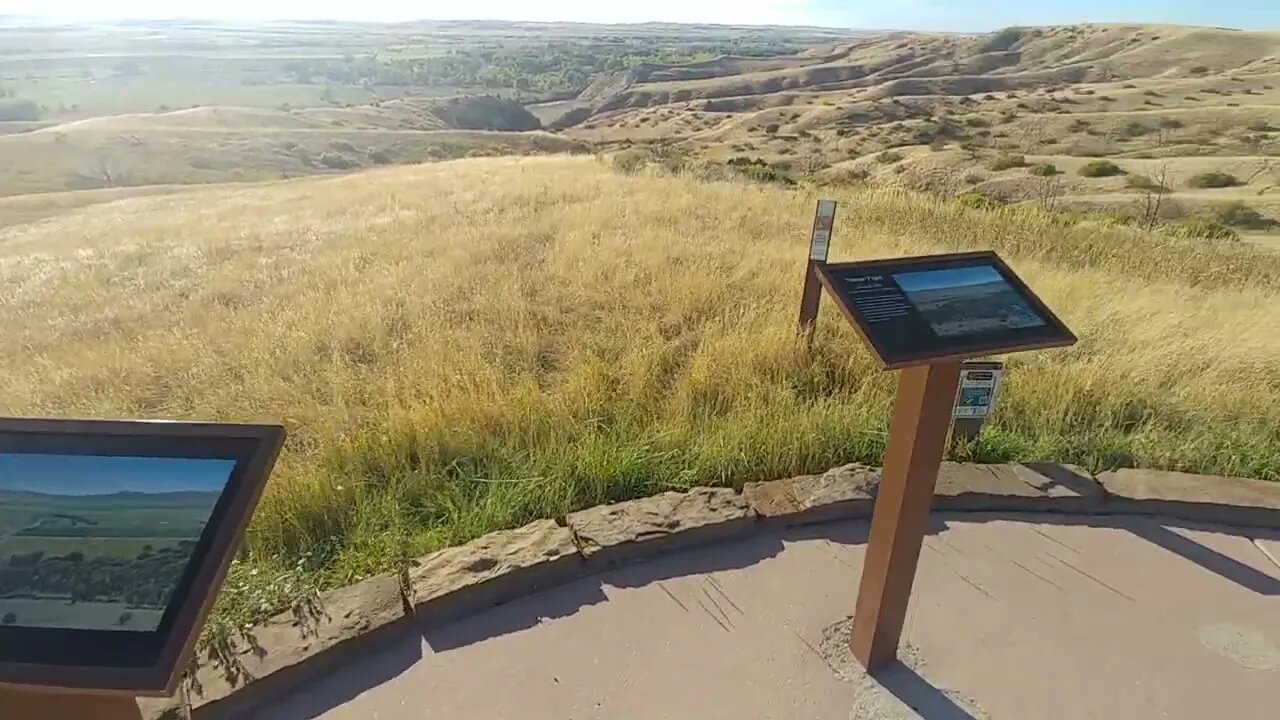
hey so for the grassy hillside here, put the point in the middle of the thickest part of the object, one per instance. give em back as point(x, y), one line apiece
point(232, 144)
point(463, 346)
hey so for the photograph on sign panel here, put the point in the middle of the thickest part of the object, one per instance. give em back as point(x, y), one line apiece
point(975, 397)
point(967, 300)
point(96, 542)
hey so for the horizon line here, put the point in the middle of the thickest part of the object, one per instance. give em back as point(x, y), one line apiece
point(66, 20)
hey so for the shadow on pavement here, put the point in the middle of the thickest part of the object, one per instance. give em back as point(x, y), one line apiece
point(567, 599)
point(918, 694)
point(380, 662)
point(1207, 558)
point(392, 656)
point(507, 618)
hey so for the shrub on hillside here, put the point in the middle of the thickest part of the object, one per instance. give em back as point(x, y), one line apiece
point(764, 173)
point(976, 201)
point(1201, 228)
point(938, 145)
point(631, 161)
point(336, 161)
point(1005, 162)
point(1215, 179)
point(772, 128)
point(1144, 182)
point(1044, 170)
point(1100, 168)
point(889, 156)
point(1170, 123)
point(1133, 129)
point(342, 146)
point(1237, 214)
point(18, 110)
point(379, 157)
point(1259, 126)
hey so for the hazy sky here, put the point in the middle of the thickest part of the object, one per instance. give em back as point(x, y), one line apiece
point(958, 277)
point(908, 14)
point(96, 475)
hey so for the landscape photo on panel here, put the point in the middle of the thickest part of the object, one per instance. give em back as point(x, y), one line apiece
point(967, 301)
point(97, 542)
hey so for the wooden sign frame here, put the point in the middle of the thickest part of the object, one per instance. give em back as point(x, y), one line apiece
point(1056, 334)
point(102, 661)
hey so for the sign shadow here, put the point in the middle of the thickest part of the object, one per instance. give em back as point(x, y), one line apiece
point(919, 694)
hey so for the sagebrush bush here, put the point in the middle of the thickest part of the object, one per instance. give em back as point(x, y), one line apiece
point(632, 161)
point(976, 201)
point(1100, 168)
point(336, 161)
point(1238, 214)
point(1214, 179)
point(1201, 228)
point(1139, 181)
point(1005, 161)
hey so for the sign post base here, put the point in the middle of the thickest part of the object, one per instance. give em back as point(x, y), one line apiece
point(917, 436)
point(66, 706)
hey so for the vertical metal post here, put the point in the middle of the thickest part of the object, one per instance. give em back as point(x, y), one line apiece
point(810, 297)
point(824, 218)
point(917, 435)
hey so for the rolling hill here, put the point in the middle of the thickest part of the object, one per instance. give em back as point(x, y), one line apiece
point(1177, 101)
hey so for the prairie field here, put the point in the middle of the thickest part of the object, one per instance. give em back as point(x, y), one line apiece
point(470, 345)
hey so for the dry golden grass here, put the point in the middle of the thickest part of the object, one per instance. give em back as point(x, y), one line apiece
point(465, 346)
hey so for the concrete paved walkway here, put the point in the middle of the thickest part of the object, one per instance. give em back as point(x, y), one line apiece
point(1013, 617)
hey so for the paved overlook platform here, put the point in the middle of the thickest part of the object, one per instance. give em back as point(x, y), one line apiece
point(1041, 593)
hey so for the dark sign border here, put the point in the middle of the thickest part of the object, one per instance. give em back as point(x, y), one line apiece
point(1060, 335)
point(141, 663)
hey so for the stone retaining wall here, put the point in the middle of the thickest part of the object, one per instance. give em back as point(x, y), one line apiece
point(291, 648)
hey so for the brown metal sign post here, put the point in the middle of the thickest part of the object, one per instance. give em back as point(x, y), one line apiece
point(924, 315)
point(824, 219)
point(917, 434)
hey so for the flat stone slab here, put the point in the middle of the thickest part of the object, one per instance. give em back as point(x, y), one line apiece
point(842, 493)
point(1232, 501)
point(493, 569)
point(289, 649)
point(611, 534)
point(1015, 487)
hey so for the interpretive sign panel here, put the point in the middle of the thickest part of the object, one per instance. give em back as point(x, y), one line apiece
point(914, 311)
point(114, 537)
point(978, 385)
point(824, 220)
